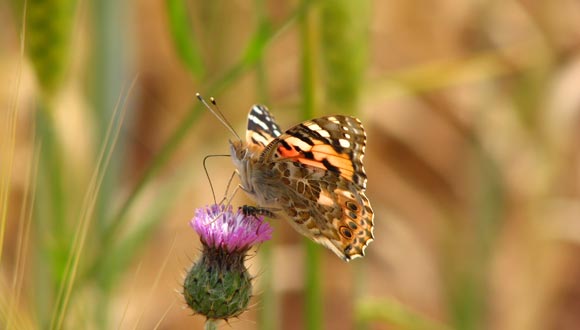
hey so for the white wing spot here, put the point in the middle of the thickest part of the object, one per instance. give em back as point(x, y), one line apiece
point(260, 139)
point(299, 143)
point(344, 143)
point(314, 127)
point(346, 135)
point(258, 122)
point(324, 133)
point(257, 110)
point(345, 193)
point(325, 199)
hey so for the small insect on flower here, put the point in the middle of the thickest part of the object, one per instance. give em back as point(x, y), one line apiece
point(218, 285)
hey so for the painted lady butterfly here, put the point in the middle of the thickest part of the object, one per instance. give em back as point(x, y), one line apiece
point(312, 175)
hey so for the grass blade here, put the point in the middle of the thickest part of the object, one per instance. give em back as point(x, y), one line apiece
point(183, 38)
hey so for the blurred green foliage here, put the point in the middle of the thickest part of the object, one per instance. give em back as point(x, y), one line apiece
point(85, 236)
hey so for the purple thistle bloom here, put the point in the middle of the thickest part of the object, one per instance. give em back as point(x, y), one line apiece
point(220, 227)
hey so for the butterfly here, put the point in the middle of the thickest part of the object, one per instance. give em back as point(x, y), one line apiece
point(312, 175)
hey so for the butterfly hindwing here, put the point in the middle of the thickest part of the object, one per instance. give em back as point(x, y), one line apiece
point(325, 207)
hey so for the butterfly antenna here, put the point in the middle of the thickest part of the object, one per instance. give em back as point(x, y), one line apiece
point(217, 108)
point(217, 113)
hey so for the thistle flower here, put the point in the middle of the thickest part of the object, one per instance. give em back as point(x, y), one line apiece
point(218, 285)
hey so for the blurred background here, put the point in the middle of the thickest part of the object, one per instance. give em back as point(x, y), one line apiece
point(472, 112)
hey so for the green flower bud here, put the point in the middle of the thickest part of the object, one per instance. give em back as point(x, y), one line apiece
point(218, 286)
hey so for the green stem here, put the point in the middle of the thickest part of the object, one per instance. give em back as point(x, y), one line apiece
point(51, 256)
point(111, 70)
point(210, 325)
point(360, 289)
point(183, 38)
point(268, 311)
point(313, 313)
point(313, 305)
point(308, 66)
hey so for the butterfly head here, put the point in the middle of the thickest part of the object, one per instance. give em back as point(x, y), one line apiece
point(240, 157)
point(238, 151)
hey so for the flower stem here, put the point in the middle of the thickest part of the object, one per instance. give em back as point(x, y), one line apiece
point(210, 325)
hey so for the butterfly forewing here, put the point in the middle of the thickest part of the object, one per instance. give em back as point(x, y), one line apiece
point(262, 128)
point(333, 143)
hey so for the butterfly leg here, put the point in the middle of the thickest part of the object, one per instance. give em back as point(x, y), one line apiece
point(229, 200)
point(228, 188)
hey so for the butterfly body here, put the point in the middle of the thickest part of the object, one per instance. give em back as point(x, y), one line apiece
point(311, 175)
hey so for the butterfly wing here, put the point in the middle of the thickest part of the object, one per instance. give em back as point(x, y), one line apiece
point(262, 128)
point(320, 163)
